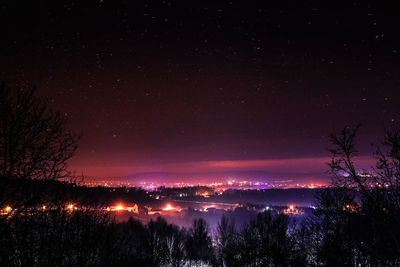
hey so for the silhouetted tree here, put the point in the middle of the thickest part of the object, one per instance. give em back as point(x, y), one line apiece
point(301, 254)
point(266, 241)
point(34, 143)
point(166, 243)
point(199, 242)
point(358, 218)
point(228, 242)
point(56, 238)
point(332, 227)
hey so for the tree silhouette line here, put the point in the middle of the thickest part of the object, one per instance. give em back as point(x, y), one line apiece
point(355, 221)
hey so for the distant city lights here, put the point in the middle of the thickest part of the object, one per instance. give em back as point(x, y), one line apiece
point(6, 210)
point(169, 207)
point(292, 210)
point(119, 207)
point(239, 183)
point(71, 207)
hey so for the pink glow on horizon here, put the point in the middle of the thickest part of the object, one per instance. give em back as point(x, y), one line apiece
point(292, 165)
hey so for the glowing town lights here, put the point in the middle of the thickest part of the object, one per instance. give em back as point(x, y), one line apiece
point(119, 207)
point(44, 207)
point(6, 210)
point(292, 210)
point(206, 207)
point(71, 207)
point(134, 208)
point(122, 207)
point(349, 208)
point(169, 207)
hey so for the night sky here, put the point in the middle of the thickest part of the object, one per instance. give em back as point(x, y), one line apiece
point(204, 92)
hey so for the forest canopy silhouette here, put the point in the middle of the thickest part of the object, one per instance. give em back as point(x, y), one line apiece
point(354, 223)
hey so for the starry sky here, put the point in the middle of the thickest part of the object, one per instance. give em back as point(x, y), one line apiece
point(206, 91)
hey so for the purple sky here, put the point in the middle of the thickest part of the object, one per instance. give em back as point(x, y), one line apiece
point(206, 91)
